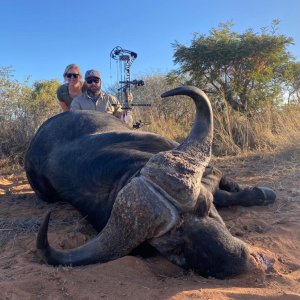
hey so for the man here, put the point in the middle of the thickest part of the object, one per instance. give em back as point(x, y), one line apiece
point(95, 99)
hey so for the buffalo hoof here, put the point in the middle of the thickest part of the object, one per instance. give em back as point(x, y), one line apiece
point(259, 196)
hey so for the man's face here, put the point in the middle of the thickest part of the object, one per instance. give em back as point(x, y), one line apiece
point(93, 85)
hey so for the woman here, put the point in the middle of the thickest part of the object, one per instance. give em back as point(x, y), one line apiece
point(72, 88)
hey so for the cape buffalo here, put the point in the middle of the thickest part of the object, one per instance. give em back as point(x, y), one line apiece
point(137, 187)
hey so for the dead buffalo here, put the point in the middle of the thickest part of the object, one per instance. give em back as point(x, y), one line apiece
point(136, 187)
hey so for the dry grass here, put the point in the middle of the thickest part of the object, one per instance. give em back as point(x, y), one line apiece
point(235, 134)
point(11, 229)
point(168, 128)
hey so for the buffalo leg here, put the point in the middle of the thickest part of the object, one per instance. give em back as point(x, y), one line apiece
point(229, 185)
point(246, 197)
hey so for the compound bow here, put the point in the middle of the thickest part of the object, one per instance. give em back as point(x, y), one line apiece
point(125, 59)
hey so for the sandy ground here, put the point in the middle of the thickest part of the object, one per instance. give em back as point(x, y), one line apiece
point(273, 230)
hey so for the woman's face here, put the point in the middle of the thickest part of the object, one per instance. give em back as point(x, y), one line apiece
point(72, 76)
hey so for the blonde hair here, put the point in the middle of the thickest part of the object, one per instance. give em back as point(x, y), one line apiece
point(72, 66)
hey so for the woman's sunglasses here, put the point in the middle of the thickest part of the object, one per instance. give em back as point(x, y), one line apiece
point(70, 75)
point(95, 80)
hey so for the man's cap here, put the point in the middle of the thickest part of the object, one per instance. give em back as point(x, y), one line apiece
point(92, 73)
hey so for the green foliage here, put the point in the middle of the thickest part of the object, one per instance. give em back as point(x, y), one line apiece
point(12, 94)
point(23, 109)
point(291, 73)
point(43, 101)
point(243, 70)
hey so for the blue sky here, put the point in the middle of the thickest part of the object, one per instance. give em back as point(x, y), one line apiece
point(39, 38)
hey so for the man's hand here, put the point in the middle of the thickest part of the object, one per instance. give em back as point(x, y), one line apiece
point(128, 96)
point(127, 117)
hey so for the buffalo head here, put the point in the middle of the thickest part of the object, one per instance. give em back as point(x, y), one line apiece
point(166, 205)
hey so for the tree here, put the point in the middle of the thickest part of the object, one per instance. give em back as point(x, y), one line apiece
point(43, 101)
point(292, 81)
point(242, 70)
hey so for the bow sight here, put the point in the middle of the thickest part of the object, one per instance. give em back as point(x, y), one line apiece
point(125, 59)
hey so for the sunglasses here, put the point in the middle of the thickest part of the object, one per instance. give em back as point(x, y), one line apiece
point(70, 75)
point(95, 80)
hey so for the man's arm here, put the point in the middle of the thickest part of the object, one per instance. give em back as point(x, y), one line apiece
point(117, 111)
point(115, 107)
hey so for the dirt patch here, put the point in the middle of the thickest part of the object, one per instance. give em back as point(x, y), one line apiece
point(273, 231)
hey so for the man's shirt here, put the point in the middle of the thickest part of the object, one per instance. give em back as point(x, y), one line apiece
point(104, 103)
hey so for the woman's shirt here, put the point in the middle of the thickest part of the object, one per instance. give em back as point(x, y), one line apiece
point(63, 94)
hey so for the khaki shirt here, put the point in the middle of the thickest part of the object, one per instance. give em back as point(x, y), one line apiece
point(105, 103)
